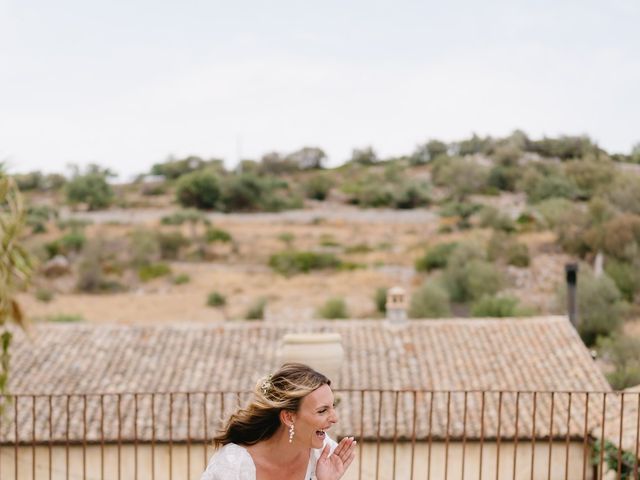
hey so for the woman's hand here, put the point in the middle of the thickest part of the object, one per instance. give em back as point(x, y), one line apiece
point(333, 467)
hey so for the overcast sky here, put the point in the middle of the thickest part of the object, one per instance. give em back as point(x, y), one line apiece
point(127, 83)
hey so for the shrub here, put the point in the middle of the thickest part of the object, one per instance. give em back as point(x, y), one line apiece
point(44, 295)
point(200, 189)
point(152, 271)
point(463, 210)
point(626, 276)
point(334, 308)
point(256, 310)
point(327, 240)
point(73, 241)
point(556, 210)
point(468, 276)
point(213, 235)
point(553, 186)
point(503, 246)
point(430, 301)
point(358, 248)
point(290, 262)
point(621, 236)
point(411, 194)
point(287, 238)
point(90, 188)
point(495, 306)
point(492, 217)
point(65, 318)
point(172, 168)
point(318, 186)
point(563, 147)
point(170, 244)
point(599, 306)
point(624, 193)
point(503, 177)
point(307, 158)
point(363, 156)
point(428, 151)
point(216, 299)
point(73, 223)
point(590, 176)
point(436, 257)
point(462, 177)
point(380, 299)
point(623, 353)
point(181, 279)
point(144, 247)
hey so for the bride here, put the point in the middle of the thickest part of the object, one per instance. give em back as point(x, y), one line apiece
point(281, 434)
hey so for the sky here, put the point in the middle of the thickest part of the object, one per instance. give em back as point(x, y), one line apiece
point(126, 84)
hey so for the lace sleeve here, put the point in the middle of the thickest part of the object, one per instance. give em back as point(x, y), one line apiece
point(232, 462)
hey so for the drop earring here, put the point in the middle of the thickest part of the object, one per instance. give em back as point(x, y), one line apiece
point(291, 433)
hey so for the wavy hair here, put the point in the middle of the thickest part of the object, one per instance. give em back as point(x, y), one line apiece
point(284, 390)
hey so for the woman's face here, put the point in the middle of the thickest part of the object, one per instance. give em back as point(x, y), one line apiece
point(315, 416)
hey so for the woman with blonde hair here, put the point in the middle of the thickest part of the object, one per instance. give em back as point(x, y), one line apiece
point(281, 434)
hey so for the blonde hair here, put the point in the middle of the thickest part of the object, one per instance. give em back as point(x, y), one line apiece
point(284, 390)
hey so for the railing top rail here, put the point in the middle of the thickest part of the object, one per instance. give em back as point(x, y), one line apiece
point(340, 390)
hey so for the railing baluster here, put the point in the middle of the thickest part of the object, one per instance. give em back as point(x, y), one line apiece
point(135, 436)
point(446, 438)
point(395, 432)
point(17, 435)
point(171, 436)
point(66, 441)
point(481, 434)
point(620, 435)
point(102, 436)
point(153, 436)
point(206, 430)
point(33, 437)
point(566, 450)
point(188, 436)
point(550, 436)
point(515, 435)
point(636, 461)
point(50, 442)
point(378, 434)
point(84, 436)
point(361, 439)
point(585, 437)
point(602, 441)
point(413, 434)
point(498, 435)
point(430, 435)
point(464, 433)
point(119, 413)
point(533, 434)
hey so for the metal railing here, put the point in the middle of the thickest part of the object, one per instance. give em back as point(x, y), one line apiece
point(403, 434)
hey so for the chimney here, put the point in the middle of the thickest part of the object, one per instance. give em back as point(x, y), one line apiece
point(321, 351)
point(396, 305)
point(571, 270)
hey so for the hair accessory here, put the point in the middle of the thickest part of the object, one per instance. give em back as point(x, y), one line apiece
point(266, 385)
point(292, 432)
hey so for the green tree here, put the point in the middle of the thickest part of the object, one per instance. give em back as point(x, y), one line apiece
point(364, 156)
point(307, 158)
point(15, 268)
point(90, 187)
point(200, 189)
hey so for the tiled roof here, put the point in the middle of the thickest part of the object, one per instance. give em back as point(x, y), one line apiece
point(543, 354)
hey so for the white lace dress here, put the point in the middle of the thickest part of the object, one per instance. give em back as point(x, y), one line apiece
point(233, 462)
